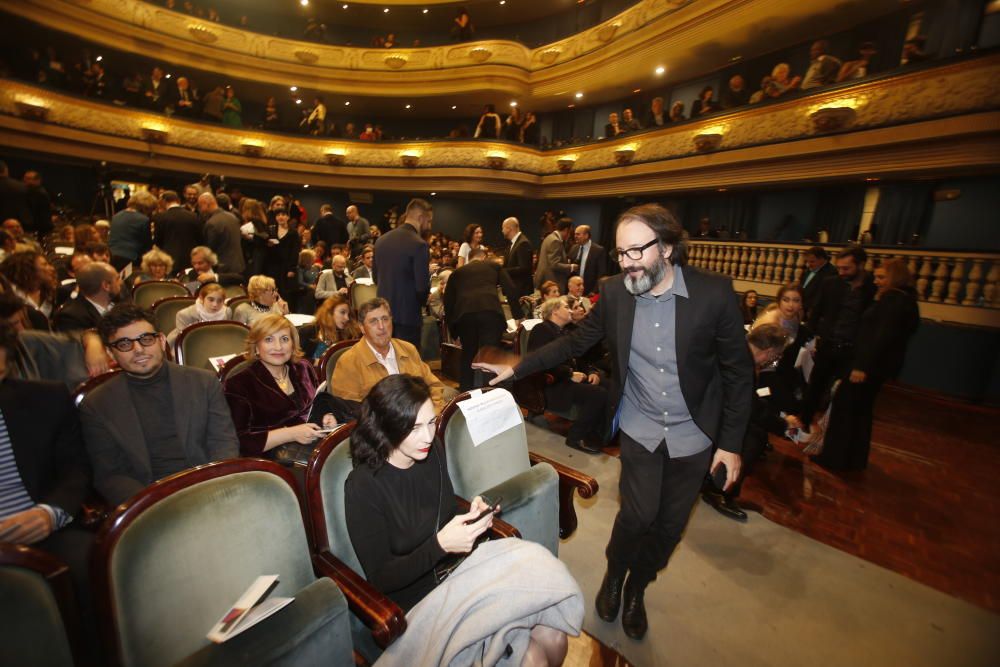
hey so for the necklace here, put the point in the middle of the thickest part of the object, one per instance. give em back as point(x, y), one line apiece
point(259, 307)
point(283, 382)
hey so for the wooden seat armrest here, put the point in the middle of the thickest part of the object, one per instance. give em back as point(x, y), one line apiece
point(570, 480)
point(381, 615)
point(500, 529)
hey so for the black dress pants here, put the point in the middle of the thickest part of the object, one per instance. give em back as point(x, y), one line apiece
point(476, 330)
point(408, 332)
point(657, 494)
point(848, 436)
point(590, 401)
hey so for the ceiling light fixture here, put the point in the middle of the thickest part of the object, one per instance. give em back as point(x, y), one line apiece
point(407, 106)
point(503, 2)
point(572, 106)
point(454, 106)
point(99, 58)
point(660, 70)
point(298, 101)
point(637, 90)
point(433, 193)
point(513, 103)
point(344, 7)
point(426, 10)
point(293, 88)
point(385, 11)
point(167, 76)
point(304, 3)
point(579, 96)
point(347, 103)
point(306, 185)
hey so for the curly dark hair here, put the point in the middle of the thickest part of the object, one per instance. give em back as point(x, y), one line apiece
point(388, 414)
point(663, 223)
point(19, 268)
point(120, 316)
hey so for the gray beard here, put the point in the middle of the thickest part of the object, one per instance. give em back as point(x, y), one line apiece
point(649, 278)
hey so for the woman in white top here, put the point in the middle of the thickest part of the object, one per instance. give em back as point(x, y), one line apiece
point(264, 299)
point(209, 307)
point(473, 238)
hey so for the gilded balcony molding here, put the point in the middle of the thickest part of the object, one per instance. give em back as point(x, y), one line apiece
point(496, 65)
point(934, 121)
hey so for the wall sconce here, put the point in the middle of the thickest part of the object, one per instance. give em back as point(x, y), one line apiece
point(394, 61)
point(251, 149)
point(31, 110)
point(336, 157)
point(154, 135)
point(496, 160)
point(409, 159)
point(832, 119)
point(202, 33)
point(549, 56)
point(624, 155)
point(566, 163)
point(480, 54)
point(708, 141)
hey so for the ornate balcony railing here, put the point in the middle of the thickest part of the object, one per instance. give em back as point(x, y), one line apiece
point(951, 286)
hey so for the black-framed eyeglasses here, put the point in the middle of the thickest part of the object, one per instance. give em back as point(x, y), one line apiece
point(126, 344)
point(634, 253)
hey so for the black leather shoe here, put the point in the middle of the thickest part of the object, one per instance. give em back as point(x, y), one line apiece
point(609, 597)
point(726, 506)
point(634, 617)
point(584, 445)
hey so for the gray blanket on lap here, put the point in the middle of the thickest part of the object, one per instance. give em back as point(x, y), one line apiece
point(492, 600)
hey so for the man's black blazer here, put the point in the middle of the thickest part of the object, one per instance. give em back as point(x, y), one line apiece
point(823, 317)
point(472, 288)
point(810, 292)
point(331, 230)
point(713, 360)
point(402, 273)
point(176, 232)
point(596, 268)
point(76, 315)
point(518, 262)
point(44, 429)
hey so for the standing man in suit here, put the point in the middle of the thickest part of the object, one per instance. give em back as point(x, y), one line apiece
point(472, 308)
point(222, 234)
point(402, 270)
point(329, 228)
point(176, 231)
point(99, 285)
point(681, 387)
point(518, 258)
point(818, 268)
point(591, 257)
point(553, 264)
point(359, 230)
point(156, 418)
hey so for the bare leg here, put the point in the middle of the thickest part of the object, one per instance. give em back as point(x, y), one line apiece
point(551, 643)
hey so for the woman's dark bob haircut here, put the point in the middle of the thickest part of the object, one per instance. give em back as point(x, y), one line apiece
point(388, 414)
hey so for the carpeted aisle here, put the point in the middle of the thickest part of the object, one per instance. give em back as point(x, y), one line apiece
point(760, 594)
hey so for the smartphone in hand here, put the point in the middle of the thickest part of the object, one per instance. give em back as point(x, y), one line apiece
point(493, 508)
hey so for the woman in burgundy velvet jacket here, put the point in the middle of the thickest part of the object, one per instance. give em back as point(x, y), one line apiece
point(274, 402)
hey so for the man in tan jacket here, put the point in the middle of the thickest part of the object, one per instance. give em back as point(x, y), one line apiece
point(378, 355)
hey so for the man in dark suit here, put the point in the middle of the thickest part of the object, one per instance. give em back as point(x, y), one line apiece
point(222, 234)
point(364, 269)
point(99, 285)
point(329, 229)
point(39, 203)
point(591, 258)
point(818, 269)
point(176, 231)
point(472, 308)
point(553, 263)
point(681, 386)
point(156, 418)
point(518, 257)
point(402, 270)
point(13, 198)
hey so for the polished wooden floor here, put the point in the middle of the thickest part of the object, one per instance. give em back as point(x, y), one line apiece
point(926, 507)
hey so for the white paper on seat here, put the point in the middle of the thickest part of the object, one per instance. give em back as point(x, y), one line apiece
point(63, 250)
point(511, 326)
point(216, 363)
point(300, 319)
point(364, 281)
point(488, 414)
point(530, 324)
point(805, 358)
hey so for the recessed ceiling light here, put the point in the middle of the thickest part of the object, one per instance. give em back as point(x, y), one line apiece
point(513, 103)
point(385, 11)
point(293, 88)
point(426, 10)
point(433, 193)
point(660, 70)
point(347, 103)
point(344, 7)
point(306, 185)
point(99, 58)
point(298, 101)
point(503, 2)
point(579, 96)
point(304, 3)
point(454, 106)
point(169, 75)
point(637, 90)
point(571, 106)
point(407, 106)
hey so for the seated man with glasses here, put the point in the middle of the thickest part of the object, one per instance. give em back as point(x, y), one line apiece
point(156, 418)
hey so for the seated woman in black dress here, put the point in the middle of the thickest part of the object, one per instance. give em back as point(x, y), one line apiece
point(274, 402)
point(403, 521)
point(575, 384)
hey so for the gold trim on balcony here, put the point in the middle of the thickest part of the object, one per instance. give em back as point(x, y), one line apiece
point(625, 154)
point(705, 142)
point(252, 148)
point(395, 61)
point(203, 34)
point(833, 118)
point(31, 110)
point(409, 159)
point(497, 160)
point(154, 134)
point(335, 156)
point(566, 163)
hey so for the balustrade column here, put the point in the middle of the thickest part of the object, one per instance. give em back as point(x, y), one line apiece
point(940, 281)
point(758, 267)
point(769, 265)
point(972, 286)
point(991, 295)
point(779, 265)
point(727, 260)
point(744, 256)
point(955, 284)
point(924, 278)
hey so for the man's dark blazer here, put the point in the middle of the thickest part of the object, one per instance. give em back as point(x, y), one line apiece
point(713, 359)
point(116, 442)
point(596, 268)
point(518, 262)
point(40, 205)
point(833, 290)
point(472, 288)
point(44, 430)
point(402, 273)
point(14, 202)
point(331, 230)
point(176, 232)
point(76, 315)
point(810, 292)
point(222, 235)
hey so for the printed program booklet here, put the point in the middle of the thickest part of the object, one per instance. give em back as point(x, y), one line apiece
point(249, 610)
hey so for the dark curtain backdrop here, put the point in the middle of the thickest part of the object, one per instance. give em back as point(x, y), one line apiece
point(734, 213)
point(838, 210)
point(903, 210)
